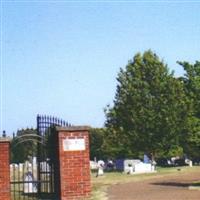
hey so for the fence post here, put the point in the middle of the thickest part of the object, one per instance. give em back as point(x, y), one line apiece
point(74, 162)
point(5, 193)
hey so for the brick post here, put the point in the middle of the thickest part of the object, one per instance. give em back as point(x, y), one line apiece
point(5, 169)
point(74, 162)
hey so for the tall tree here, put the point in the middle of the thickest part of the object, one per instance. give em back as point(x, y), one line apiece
point(192, 85)
point(149, 108)
point(191, 80)
point(96, 142)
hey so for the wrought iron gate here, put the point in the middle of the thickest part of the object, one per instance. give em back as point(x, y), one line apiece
point(34, 167)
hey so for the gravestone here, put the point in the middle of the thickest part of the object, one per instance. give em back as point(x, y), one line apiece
point(29, 186)
point(143, 168)
point(130, 169)
point(21, 167)
point(129, 165)
point(136, 166)
point(93, 165)
point(100, 165)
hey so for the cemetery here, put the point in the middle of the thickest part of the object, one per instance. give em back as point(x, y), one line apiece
point(127, 76)
point(119, 186)
point(150, 144)
point(65, 171)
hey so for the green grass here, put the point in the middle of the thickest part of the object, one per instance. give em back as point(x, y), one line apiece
point(100, 184)
point(195, 186)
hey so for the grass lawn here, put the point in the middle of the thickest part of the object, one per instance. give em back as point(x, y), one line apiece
point(195, 186)
point(100, 184)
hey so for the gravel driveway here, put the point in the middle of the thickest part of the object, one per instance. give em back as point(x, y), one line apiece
point(167, 188)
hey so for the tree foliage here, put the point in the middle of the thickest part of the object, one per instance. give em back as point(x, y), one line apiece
point(149, 110)
point(96, 142)
point(23, 147)
point(191, 80)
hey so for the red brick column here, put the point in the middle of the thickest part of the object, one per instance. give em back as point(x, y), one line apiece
point(74, 162)
point(5, 169)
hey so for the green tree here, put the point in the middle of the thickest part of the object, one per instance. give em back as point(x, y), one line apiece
point(96, 142)
point(191, 80)
point(23, 145)
point(192, 85)
point(149, 110)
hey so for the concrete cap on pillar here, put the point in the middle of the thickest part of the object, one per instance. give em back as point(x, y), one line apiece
point(73, 128)
point(5, 139)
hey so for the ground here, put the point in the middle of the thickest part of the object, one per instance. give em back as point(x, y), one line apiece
point(163, 187)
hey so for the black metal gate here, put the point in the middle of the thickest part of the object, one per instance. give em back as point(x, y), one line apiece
point(34, 167)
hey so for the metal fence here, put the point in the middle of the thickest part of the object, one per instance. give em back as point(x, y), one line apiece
point(34, 168)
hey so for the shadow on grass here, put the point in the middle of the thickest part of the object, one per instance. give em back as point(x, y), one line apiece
point(196, 184)
point(177, 184)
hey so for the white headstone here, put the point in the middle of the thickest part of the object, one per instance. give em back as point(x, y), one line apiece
point(29, 186)
point(21, 167)
point(130, 163)
point(100, 167)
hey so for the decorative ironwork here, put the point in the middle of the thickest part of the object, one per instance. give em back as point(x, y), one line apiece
point(34, 167)
point(4, 134)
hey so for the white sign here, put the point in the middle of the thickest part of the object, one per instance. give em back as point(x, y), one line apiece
point(77, 144)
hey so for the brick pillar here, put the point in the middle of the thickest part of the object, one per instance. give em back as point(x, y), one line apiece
point(5, 169)
point(74, 162)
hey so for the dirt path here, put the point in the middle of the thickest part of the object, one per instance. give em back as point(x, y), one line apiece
point(166, 188)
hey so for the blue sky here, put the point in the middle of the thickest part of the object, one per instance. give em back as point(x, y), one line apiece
point(62, 58)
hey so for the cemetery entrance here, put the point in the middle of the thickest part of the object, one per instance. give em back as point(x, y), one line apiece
point(34, 167)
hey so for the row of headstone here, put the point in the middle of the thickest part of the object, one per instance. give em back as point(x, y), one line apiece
point(27, 166)
point(28, 173)
point(127, 165)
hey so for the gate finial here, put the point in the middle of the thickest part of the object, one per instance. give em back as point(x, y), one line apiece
point(4, 133)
